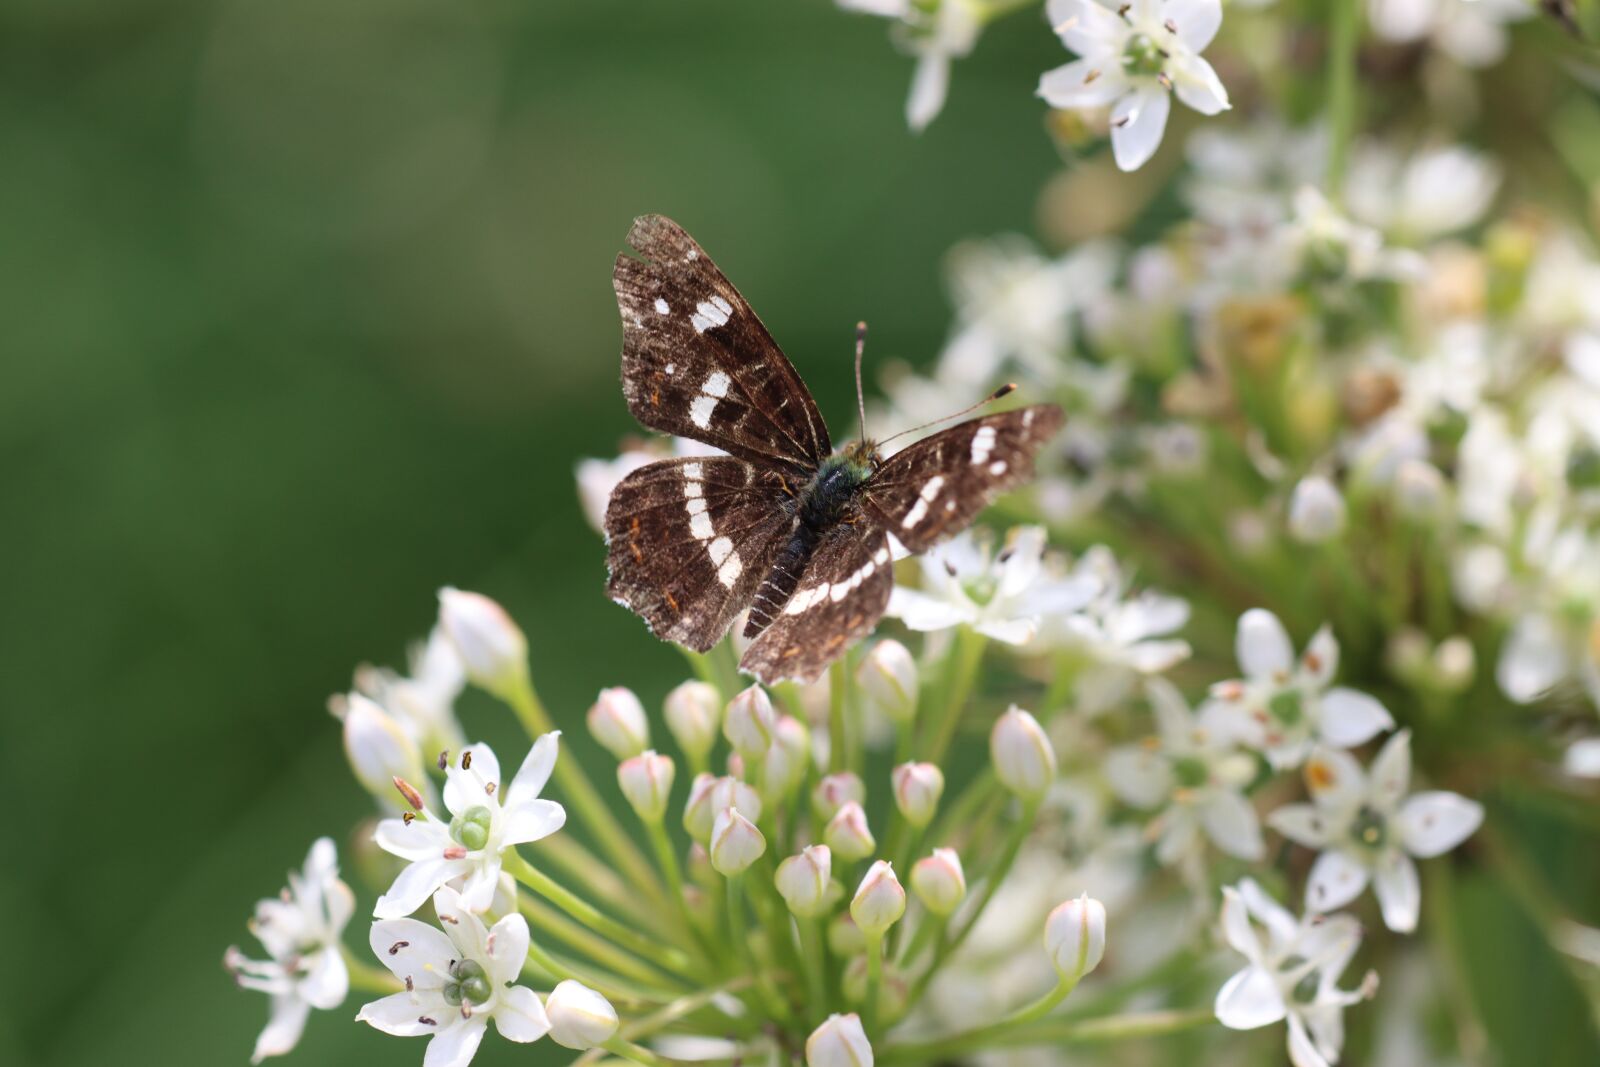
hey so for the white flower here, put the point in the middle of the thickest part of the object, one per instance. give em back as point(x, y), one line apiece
point(1472, 32)
point(839, 1042)
point(456, 981)
point(1556, 636)
point(1292, 975)
point(300, 931)
point(1131, 57)
point(1326, 245)
point(486, 819)
point(423, 703)
point(848, 834)
point(597, 478)
point(1583, 758)
point(917, 788)
point(1194, 775)
point(1437, 191)
point(1244, 176)
point(1316, 510)
point(378, 747)
point(935, 33)
point(1283, 706)
point(1003, 597)
point(1369, 829)
point(580, 1018)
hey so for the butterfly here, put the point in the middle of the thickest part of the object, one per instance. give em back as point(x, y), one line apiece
point(782, 524)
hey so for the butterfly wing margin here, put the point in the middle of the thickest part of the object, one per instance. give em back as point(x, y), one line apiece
point(839, 599)
point(936, 487)
point(697, 362)
point(688, 541)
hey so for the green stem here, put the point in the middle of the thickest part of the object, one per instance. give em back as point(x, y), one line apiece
point(1344, 37)
point(637, 1053)
point(874, 983)
point(596, 948)
point(740, 936)
point(838, 744)
point(1043, 1006)
point(811, 961)
point(962, 672)
point(579, 793)
point(1047, 1032)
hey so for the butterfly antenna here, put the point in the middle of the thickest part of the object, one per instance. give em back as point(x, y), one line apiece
point(861, 397)
point(1004, 390)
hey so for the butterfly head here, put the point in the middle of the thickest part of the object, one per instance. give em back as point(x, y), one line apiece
point(863, 456)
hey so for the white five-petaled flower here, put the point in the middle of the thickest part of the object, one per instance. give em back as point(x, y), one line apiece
point(1132, 56)
point(1004, 596)
point(1196, 777)
point(1293, 973)
point(455, 981)
point(1282, 706)
point(485, 819)
point(935, 33)
point(300, 930)
point(1369, 829)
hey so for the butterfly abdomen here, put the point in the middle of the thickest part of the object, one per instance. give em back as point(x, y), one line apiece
point(780, 582)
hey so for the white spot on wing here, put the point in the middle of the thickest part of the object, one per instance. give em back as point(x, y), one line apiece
point(730, 570)
point(671, 367)
point(915, 515)
point(700, 526)
point(998, 467)
point(693, 470)
point(709, 313)
point(661, 306)
point(716, 385)
point(693, 489)
point(720, 550)
point(982, 444)
point(696, 504)
point(700, 411)
point(931, 490)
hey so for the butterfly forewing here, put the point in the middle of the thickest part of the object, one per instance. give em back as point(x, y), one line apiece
point(839, 598)
point(936, 487)
point(688, 541)
point(696, 361)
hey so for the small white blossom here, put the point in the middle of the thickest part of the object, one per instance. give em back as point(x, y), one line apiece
point(1472, 32)
point(1583, 758)
point(300, 930)
point(839, 1042)
point(1437, 191)
point(1004, 596)
point(935, 34)
point(1283, 706)
point(423, 702)
point(1316, 510)
point(1293, 973)
point(1131, 57)
point(580, 1018)
point(1196, 777)
point(456, 981)
point(486, 819)
point(1369, 829)
point(1326, 245)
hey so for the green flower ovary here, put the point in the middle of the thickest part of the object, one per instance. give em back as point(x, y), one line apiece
point(1190, 772)
point(468, 982)
point(1369, 829)
point(1288, 707)
point(471, 827)
point(1141, 56)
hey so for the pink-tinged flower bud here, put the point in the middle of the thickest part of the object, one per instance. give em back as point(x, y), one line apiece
point(618, 722)
point(1075, 937)
point(580, 1018)
point(1023, 759)
point(698, 814)
point(493, 651)
point(835, 791)
point(888, 677)
point(378, 748)
point(730, 792)
point(839, 1042)
point(880, 900)
point(939, 882)
point(803, 880)
point(694, 713)
point(917, 788)
point(1316, 510)
point(847, 834)
point(646, 782)
point(735, 843)
point(787, 758)
point(750, 723)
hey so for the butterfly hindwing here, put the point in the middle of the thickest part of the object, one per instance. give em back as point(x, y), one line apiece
point(688, 541)
point(839, 598)
point(936, 487)
point(697, 362)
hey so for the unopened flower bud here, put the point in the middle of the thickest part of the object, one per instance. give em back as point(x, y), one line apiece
point(1023, 759)
point(618, 722)
point(378, 748)
point(735, 843)
point(493, 651)
point(786, 759)
point(803, 880)
point(847, 834)
point(839, 1042)
point(1454, 663)
point(1419, 489)
point(708, 796)
point(1075, 937)
point(917, 788)
point(693, 712)
point(580, 1018)
point(880, 900)
point(646, 782)
point(835, 791)
point(1316, 510)
point(888, 677)
point(750, 722)
point(939, 882)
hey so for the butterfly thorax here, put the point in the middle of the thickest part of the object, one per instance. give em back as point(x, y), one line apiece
point(831, 493)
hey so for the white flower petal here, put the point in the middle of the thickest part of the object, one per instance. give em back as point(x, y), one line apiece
point(507, 949)
point(416, 884)
point(1174, 719)
point(1137, 122)
point(1138, 776)
point(464, 789)
point(1390, 773)
point(1399, 893)
point(1335, 881)
point(1087, 27)
point(1018, 565)
point(1532, 660)
point(1236, 927)
point(1583, 758)
point(1304, 824)
point(284, 1027)
point(1010, 631)
point(483, 882)
point(1280, 924)
point(422, 839)
point(1321, 659)
point(1433, 823)
point(919, 611)
point(1197, 85)
point(534, 772)
point(1081, 84)
point(1249, 1000)
point(1350, 718)
point(1232, 825)
point(456, 1044)
point(1334, 779)
point(400, 1014)
point(520, 1015)
point(929, 84)
point(327, 980)
point(412, 949)
point(532, 820)
point(1263, 647)
point(1057, 597)
point(1153, 657)
point(1302, 1053)
point(1196, 21)
point(465, 930)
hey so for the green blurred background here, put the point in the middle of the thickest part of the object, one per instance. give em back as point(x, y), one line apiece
point(307, 311)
